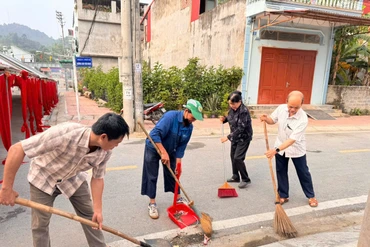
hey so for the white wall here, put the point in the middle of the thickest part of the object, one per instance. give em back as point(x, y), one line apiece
point(107, 63)
point(319, 73)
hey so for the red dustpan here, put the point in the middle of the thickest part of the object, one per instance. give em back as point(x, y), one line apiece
point(181, 213)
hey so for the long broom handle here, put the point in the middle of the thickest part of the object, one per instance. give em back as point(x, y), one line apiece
point(205, 218)
point(223, 151)
point(160, 154)
point(38, 206)
point(277, 198)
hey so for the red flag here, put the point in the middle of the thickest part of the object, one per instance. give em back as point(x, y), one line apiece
point(366, 7)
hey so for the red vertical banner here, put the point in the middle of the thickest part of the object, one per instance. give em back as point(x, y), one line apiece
point(149, 27)
point(21, 82)
point(38, 105)
point(45, 97)
point(30, 95)
point(365, 7)
point(5, 111)
point(195, 8)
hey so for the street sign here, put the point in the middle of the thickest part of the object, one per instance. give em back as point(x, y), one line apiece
point(85, 62)
point(138, 67)
point(67, 63)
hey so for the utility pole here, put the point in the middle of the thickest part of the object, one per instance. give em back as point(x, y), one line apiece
point(126, 64)
point(138, 85)
point(60, 18)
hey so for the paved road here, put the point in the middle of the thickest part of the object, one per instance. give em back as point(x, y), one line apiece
point(338, 163)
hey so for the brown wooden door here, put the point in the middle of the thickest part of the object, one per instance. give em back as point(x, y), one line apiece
point(285, 70)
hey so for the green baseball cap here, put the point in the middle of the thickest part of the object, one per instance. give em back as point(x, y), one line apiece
point(196, 108)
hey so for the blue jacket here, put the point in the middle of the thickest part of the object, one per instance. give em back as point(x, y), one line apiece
point(171, 132)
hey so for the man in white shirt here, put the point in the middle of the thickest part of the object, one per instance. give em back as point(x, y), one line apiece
point(291, 143)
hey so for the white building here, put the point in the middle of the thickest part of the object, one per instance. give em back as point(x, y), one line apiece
point(98, 31)
point(289, 44)
point(18, 54)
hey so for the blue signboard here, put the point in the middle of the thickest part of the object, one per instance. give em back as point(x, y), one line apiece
point(84, 62)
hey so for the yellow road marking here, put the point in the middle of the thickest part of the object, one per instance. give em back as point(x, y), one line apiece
point(354, 151)
point(256, 157)
point(118, 168)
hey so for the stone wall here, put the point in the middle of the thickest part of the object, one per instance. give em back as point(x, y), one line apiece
point(217, 37)
point(349, 98)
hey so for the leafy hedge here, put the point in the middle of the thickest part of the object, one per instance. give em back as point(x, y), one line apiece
point(105, 86)
point(173, 86)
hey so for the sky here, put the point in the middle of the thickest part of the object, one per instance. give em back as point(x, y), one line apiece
point(38, 14)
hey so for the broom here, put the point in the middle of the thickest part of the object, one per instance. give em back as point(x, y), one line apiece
point(226, 190)
point(282, 224)
point(205, 219)
point(51, 210)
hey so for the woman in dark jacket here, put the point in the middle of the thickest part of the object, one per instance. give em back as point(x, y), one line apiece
point(240, 137)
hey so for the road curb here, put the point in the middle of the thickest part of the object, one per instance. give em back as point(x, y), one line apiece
point(350, 209)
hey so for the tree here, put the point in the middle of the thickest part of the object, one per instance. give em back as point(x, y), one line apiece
point(350, 55)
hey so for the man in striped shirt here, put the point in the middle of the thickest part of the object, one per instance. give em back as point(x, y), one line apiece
point(291, 143)
point(60, 158)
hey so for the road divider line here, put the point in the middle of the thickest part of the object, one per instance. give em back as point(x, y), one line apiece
point(250, 219)
point(256, 157)
point(118, 168)
point(354, 151)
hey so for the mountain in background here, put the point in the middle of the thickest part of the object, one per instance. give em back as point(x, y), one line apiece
point(31, 34)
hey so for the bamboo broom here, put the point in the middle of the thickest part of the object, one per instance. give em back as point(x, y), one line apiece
point(282, 224)
point(205, 219)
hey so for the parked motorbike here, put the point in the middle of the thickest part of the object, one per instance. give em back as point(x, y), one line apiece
point(153, 111)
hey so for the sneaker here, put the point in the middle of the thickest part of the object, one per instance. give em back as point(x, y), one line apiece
point(182, 200)
point(153, 211)
point(243, 184)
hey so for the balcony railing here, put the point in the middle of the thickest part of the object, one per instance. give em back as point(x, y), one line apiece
point(355, 5)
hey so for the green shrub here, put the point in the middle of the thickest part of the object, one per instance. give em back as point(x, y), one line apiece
point(175, 86)
point(172, 86)
point(356, 112)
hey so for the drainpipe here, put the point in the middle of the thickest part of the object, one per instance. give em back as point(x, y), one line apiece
point(247, 57)
point(328, 63)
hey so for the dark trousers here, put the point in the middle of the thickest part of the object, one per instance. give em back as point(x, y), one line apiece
point(237, 155)
point(150, 173)
point(303, 173)
point(81, 201)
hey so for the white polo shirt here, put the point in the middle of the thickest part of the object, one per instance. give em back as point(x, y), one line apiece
point(293, 127)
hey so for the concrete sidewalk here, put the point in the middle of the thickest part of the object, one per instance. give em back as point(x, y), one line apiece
point(66, 110)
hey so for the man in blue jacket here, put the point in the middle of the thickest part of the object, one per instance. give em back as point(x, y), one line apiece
point(171, 135)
